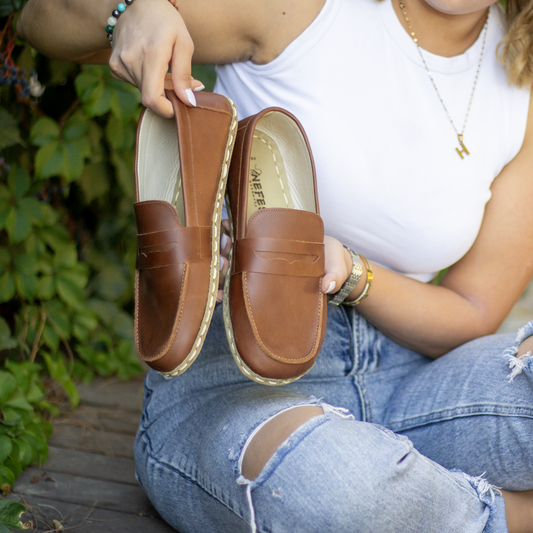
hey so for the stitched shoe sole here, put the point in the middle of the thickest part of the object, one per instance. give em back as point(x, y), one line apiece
point(215, 253)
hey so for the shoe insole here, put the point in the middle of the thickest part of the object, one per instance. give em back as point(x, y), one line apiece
point(268, 183)
point(158, 166)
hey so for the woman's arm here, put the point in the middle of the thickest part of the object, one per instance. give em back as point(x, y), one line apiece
point(477, 292)
point(151, 35)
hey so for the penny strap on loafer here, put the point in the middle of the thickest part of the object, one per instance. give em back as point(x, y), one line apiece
point(180, 245)
point(279, 256)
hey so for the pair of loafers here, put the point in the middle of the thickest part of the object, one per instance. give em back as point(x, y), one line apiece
point(274, 309)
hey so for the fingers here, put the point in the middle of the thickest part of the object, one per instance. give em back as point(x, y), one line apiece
point(150, 37)
point(337, 265)
point(225, 248)
point(180, 67)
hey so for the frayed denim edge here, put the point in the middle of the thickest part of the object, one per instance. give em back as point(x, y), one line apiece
point(489, 495)
point(518, 364)
point(249, 484)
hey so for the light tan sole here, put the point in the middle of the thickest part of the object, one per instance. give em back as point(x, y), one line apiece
point(215, 254)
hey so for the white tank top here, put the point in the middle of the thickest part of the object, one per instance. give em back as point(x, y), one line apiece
point(391, 184)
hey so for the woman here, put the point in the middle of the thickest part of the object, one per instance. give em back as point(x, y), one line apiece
point(424, 156)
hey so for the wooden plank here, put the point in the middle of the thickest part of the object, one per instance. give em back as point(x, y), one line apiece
point(93, 441)
point(76, 489)
point(91, 465)
point(83, 519)
point(113, 393)
point(117, 420)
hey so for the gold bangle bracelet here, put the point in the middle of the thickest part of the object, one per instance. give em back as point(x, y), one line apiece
point(369, 278)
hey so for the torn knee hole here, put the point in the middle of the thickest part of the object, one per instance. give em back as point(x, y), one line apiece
point(525, 348)
point(263, 444)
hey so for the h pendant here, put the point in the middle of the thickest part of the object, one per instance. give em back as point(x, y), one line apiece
point(464, 148)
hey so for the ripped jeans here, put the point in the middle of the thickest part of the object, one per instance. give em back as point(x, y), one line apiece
point(405, 444)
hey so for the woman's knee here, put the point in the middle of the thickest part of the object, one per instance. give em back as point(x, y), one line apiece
point(263, 444)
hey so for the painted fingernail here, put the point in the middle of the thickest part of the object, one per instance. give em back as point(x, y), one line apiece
point(221, 266)
point(201, 88)
point(190, 97)
point(331, 287)
point(224, 241)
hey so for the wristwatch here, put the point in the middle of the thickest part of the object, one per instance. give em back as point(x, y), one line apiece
point(351, 282)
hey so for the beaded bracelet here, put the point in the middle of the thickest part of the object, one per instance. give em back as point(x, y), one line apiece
point(113, 19)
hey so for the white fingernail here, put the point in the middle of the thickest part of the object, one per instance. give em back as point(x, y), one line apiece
point(190, 97)
point(221, 266)
point(201, 88)
point(331, 287)
point(224, 241)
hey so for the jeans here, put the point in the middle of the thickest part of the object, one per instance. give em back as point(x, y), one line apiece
point(405, 444)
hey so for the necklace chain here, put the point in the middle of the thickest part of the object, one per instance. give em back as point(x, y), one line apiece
point(415, 40)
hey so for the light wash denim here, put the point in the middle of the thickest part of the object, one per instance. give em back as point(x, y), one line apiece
point(463, 426)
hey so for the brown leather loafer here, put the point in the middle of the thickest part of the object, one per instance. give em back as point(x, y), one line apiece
point(181, 172)
point(274, 310)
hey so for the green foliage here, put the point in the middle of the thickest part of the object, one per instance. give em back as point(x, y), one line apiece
point(23, 430)
point(67, 241)
point(10, 512)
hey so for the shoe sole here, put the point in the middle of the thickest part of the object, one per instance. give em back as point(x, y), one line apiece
point(215, 253)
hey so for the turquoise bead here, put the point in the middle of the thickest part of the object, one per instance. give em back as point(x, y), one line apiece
point(121, 7)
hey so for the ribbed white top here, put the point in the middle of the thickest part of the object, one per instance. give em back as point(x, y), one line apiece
point(391, 184)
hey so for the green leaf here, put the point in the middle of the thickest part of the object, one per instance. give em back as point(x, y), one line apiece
point(99, 102)
point(18, 401)
point(70, 293)
point(24, 451)
point(72, 161)
point(45, 131)
point(9, 131)
point(39, 448)
point(27, 285)
point(7, 385)
point(74, 128)
point(59, 317)
point(66, 255)
point(6, 477)
point(59, 373)
point(49, 160)
point(85, 84)
point(24, 264)
point(5, 448)
point(56, 237)
point(19, 181)
point(50, 337)
point(46, 287)
point(6, 340)
point(124, 170)
point(111, 282)
point(33, 209)
point(17, 225)
point(94, 181)
point(50, 215)
point(125, 101)
point(7, 287)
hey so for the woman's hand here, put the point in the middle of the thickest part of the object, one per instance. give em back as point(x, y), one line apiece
point(150, 36)
point(338, 263)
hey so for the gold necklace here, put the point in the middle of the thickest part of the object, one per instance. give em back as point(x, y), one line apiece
point(463, 150)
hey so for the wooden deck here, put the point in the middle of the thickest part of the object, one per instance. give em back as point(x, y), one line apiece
point(88, 484)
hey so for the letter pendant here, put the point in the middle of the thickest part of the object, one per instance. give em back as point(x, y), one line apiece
point(464, 148)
